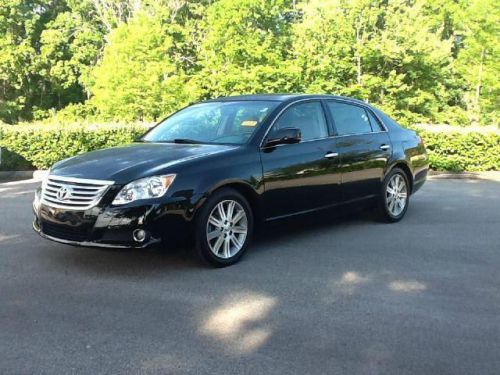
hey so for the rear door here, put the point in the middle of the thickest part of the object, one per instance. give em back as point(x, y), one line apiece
point(363, 146)
point(302, 176)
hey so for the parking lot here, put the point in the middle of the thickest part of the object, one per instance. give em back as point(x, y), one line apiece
point(324, 294)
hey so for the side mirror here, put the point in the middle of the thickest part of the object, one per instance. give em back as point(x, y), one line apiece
point(284, 136)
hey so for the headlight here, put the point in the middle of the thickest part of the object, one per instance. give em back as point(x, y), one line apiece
point(145, 188)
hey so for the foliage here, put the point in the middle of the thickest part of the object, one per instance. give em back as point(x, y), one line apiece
point(458, 149)
point(143, 71)
point(46, 49)
point(479, 61)
point(245, 48)
point(419, 60)
point(43, 145)
point(374, 51)
point(10, 161)
point(40, 146)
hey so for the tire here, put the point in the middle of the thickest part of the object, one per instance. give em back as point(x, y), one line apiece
point(395, 193)
point(222, 239)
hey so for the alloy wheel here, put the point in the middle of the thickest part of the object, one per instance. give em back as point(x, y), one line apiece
point(227, 229)
point(396, 195)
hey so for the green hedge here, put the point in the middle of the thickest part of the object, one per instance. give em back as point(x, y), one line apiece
point(39, 146)
point(452, 148)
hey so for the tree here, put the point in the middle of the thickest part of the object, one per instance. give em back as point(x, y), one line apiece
point(479, 60)
point(46, 47)
point(244, 48)
point(379, 51)
point(69, 48)
point(142, 74)
point(420, 60)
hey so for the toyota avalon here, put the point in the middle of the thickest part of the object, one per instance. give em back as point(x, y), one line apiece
point(209, 172)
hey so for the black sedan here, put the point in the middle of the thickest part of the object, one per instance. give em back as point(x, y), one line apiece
point(210, 171)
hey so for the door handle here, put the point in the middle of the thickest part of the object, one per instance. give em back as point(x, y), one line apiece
point(330, 155)
point(385, 147)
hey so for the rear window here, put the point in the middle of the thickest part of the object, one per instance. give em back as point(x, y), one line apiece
point(374, 122)
point(349, 119)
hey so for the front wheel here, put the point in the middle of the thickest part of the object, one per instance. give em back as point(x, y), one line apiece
point(395, 196)
point(223, 228)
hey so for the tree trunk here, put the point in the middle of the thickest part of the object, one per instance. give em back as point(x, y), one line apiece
point(477, 97)
point(358, 54)
point(479, 78)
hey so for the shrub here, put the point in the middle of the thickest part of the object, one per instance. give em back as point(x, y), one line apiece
point(42, 145)
point(39, 145)
point(454, 148)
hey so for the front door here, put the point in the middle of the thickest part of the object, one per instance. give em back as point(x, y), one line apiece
point(303, 176)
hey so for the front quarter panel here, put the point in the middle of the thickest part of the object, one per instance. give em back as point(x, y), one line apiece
point(196, 180)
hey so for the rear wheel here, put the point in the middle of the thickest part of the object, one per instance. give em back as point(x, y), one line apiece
point(395, 196)
point(224, 228)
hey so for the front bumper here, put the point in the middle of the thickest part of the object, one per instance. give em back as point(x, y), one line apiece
point(36, 228)
point(111, 227)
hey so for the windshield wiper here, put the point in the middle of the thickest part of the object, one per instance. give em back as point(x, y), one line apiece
point(182, 141)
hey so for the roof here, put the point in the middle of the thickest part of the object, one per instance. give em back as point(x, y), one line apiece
point(282, 97)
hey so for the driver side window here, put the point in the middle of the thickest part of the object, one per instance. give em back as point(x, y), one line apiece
point(308, 117)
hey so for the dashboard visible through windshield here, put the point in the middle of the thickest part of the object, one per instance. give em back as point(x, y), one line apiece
point(213, 122)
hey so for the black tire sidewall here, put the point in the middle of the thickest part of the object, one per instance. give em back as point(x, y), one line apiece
point(201, 243)
point(383, 198)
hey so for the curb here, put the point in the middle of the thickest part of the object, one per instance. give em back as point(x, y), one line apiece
point(490, 175)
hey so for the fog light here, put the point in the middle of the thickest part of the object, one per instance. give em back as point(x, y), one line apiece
point(139, 235)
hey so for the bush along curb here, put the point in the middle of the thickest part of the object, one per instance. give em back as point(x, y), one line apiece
point(440, 175)
point(461, 149)
point(39, 146)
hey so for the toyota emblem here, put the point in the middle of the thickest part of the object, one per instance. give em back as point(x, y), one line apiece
point(63, 193)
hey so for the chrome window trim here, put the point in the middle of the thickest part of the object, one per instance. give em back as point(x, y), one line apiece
point(356, 134)
point(262, 147)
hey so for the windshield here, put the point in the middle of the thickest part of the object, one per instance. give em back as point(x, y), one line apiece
point(213, 122)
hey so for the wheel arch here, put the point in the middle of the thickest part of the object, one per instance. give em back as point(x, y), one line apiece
point(403, 165)
point(250, 195)
point(245, 189)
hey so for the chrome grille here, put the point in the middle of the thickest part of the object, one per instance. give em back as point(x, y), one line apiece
point(73, 193)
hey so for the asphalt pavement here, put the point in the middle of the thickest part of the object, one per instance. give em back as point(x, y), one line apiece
point(323, 294)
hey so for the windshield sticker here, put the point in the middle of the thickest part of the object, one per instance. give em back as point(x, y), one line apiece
point(249, 123)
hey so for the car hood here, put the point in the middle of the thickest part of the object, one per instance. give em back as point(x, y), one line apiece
point(137, 160)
